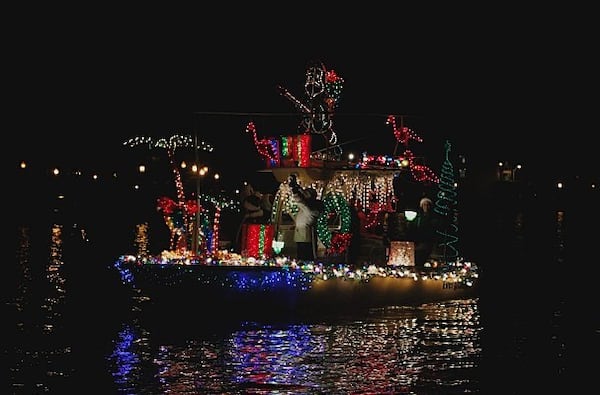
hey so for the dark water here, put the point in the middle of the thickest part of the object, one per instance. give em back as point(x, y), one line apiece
point(71, 327)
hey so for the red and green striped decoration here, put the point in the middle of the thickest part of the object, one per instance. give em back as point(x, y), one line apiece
point(257, 240)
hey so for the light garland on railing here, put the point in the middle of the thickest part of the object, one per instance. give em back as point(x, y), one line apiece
point(260, 275)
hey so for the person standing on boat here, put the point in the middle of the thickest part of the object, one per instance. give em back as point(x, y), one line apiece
point(251, 202)
point(266, 204)
point(309, 209)
point(252, 207)
point(424, 235)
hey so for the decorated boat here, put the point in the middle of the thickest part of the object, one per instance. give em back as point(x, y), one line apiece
point(386, 231)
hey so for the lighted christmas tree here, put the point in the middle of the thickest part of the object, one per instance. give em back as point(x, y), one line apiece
point(446, 208)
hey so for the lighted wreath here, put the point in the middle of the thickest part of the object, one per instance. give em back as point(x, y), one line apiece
point(335, 242)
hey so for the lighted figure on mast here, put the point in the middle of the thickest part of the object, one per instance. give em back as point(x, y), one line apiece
point(323, 89)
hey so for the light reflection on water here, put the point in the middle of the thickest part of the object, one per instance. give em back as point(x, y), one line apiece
point(434, 347)
point(37, 352)
point(55, 344)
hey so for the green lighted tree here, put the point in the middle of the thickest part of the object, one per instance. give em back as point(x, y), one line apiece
point(446, 208)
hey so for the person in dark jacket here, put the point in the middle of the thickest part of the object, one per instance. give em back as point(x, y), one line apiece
point(424, 233)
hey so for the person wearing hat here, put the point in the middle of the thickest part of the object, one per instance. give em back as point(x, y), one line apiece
point(425, 234)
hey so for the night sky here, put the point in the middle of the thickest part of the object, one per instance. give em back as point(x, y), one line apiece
point(78, 90)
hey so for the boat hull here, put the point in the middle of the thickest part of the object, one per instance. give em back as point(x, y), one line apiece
point(252, 289)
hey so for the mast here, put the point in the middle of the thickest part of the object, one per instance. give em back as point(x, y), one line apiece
point(196, 227)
